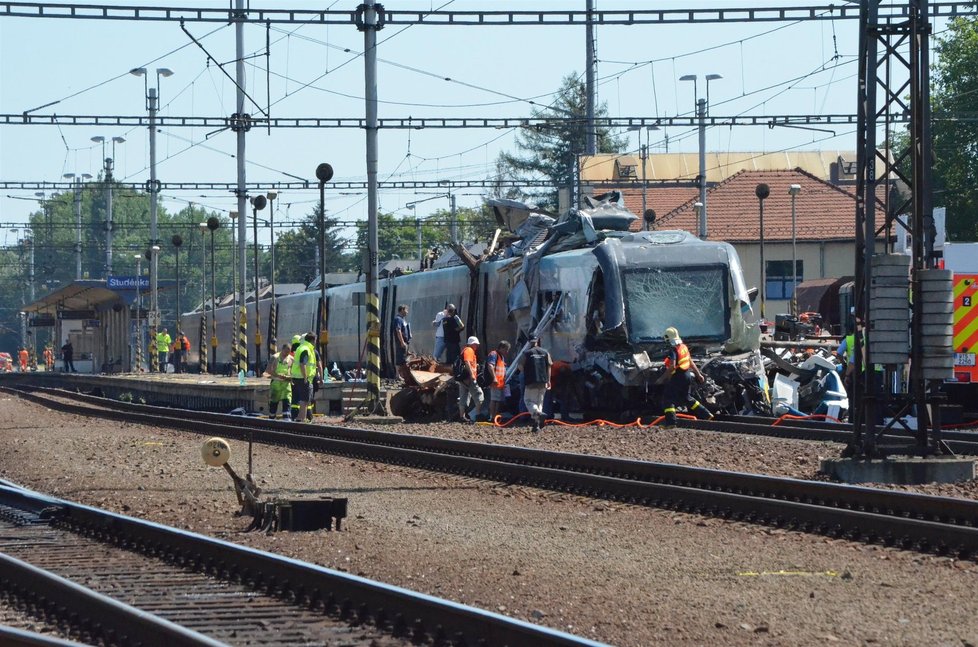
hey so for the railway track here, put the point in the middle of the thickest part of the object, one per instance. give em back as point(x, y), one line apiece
point(109, 579)
point(921, 522)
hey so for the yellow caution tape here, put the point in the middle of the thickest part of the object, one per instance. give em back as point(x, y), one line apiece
point(788, 573)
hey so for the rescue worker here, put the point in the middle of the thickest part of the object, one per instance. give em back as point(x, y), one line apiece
point(453, 326)
point(468, 385)
point(436, 323)
point(401, 330)
point(163, 342)
point(535, 367)
point(679, 370)
point(48, 358)
point(496, 371)
point(303, 372)
point(23, 356)
point(68, 356)
point(280, 390)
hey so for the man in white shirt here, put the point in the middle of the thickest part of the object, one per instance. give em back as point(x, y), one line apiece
point(439, 334)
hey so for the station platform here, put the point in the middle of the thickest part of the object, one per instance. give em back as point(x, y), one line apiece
point(190, 390)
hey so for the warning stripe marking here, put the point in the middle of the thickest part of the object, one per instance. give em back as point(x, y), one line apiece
point(965, 317)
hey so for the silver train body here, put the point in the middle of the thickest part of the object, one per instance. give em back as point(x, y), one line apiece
point(615, 300)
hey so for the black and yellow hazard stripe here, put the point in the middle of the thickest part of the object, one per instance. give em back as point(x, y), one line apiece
point(154, 362)
point(139, 349)
point(202, 346)
point(373, 352)
point(213, 365)
point(272, 331)
point(243, 339)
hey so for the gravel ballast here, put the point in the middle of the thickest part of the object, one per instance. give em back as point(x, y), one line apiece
point(617, 573)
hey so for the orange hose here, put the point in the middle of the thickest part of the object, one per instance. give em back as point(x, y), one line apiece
point(819, 416)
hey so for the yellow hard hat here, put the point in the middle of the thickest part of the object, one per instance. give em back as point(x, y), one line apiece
point(671, 335)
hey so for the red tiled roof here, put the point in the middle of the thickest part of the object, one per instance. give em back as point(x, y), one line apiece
point(823, 211)
point(663, 199)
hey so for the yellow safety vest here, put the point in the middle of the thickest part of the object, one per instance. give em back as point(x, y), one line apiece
point(310, 367)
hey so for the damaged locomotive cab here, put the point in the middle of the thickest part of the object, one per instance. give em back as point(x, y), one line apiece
point(646, 282)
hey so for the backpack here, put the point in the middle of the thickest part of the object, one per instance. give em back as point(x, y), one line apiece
point(460, 370)
point(487, 376)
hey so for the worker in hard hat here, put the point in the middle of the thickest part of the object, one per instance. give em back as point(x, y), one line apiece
point(680, 369)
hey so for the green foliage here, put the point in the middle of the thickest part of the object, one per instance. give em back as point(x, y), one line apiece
point(552, 152)
point(397, 237)
point(295, 251)
point(955, 90)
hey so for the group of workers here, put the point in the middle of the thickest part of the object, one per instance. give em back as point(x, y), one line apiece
point(173, 349)
point(26, 363)
point(537, 369)
point(295, 372)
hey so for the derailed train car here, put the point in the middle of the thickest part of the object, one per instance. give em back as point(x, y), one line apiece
point(599, 295)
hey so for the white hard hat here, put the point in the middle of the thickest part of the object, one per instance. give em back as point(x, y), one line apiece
point(473, 340)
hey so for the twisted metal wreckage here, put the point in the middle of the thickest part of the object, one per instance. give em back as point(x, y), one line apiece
point(600, 297)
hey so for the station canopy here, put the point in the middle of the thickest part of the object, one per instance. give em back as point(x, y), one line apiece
point(77, 295)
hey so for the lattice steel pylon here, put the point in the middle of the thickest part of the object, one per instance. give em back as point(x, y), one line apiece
point(893, 78)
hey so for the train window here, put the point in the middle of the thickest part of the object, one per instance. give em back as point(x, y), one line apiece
point(563, 320)
point(693, 299)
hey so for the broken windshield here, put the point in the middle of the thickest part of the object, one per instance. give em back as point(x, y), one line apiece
point(693, 299)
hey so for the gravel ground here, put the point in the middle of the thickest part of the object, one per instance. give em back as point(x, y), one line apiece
point(616, 573)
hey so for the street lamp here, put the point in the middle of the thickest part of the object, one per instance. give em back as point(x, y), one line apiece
point(701, 109)
point(202, 332)
point(234, 289)
point(257, 204)
point(643, 155)
point(77, 200)
point(762, 191)
point(324, 173)
point(107, 167)
point(153, 188)
point(177, 240)
point(139, 306)
point(794, 190)
point(213, 223)
point(273, 308)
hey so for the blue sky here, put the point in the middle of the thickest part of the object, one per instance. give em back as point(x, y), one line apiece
point(767, 68)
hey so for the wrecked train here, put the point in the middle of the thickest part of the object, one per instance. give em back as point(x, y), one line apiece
point(599, 295)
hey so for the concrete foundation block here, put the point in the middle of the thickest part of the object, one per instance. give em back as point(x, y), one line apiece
point(899, 470)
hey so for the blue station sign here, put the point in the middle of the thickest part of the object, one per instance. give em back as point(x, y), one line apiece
point(128, 282)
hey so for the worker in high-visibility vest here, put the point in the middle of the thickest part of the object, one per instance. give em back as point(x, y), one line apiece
point(303, 373)
point(48, 358)
point(23, 356)
point(163, 342)
point(680, 369)
point(496, 370)
point(280, 390)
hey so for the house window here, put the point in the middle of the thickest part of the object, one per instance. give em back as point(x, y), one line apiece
point(780, 284)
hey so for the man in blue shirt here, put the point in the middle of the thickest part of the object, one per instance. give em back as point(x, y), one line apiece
point(402, 338)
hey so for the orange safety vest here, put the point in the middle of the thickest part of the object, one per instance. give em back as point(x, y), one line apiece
point(682, 354)
point(499, 372)
point(23, 357)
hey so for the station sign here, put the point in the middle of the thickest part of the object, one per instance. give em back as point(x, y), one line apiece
point(76, 314)
point(41, 321)
point(128, 282)
point(91, 323)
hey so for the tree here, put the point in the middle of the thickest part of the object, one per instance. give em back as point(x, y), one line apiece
point(295, 251)
point(954, 88)
point(552, 152)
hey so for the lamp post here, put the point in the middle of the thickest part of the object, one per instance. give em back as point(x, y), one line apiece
point(273, 307)
point(701, 111)
point(108, 165)
point(643, 156)
point(794, 190)
point(257, 204)
point(177, 240)
point(78, 235)
point(202, 329)
point(762, 191)
point(213, 223)
point(153, 188)
point(324, 173)
point(139, 306)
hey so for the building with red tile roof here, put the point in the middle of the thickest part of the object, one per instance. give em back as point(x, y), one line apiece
point(823, 232)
